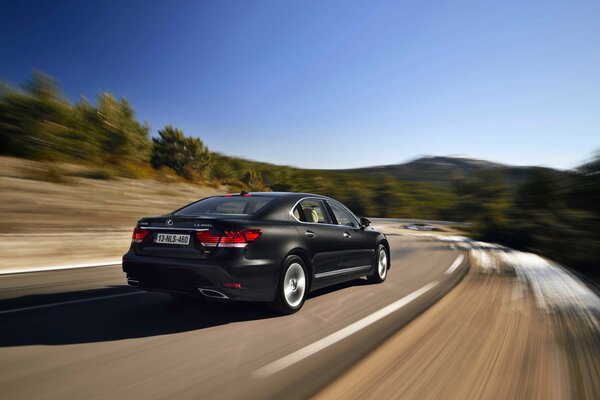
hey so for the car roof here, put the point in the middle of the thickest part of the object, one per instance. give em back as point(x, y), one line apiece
point(283, 194)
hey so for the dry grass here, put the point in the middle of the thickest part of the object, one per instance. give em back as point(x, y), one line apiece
point(51, 214)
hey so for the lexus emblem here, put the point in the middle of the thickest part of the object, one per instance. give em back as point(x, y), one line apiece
point(169, 222)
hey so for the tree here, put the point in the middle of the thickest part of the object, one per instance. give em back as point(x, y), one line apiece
point(592, 167)
point(110, 125)
point(486, 202)
point(186, 155)
point(35, 121)
point(38, 122)
point(254, 181)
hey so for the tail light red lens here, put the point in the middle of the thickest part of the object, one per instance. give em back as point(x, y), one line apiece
point(207, 238)
point(139, 235)
point(252, 234)
point(229, 238)
point(232, 285)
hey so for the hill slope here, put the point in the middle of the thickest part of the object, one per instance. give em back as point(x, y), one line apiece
point(441, 170)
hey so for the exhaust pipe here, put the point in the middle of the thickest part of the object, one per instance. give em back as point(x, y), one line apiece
point(215, 294)
point(133, 282)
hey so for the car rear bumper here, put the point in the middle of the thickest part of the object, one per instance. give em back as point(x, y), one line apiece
point(258, 278)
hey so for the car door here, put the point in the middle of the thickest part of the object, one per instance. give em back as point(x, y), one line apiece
point(359, 243)
point(323, 240)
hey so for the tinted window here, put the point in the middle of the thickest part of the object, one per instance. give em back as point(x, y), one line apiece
point(342, 216)
point(234, 205)
point(311, 211)
point(297, 214)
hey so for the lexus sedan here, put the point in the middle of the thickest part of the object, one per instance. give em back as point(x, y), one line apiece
point(267, 247)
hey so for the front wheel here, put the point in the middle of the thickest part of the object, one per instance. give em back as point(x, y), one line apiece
point(381, 265)
point(292, 288)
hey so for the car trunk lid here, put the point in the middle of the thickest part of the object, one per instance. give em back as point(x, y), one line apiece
point(189, 236)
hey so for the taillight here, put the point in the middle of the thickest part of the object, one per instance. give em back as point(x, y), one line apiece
point(229, 238)
point(232, 285)
point(207, 239)
point(139, 234)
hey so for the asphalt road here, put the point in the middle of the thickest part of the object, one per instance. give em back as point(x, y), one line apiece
point(82, 333)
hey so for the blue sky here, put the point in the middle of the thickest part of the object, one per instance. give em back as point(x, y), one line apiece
point(332, 84)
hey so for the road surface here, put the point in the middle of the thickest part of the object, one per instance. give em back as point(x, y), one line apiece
point(518, 326)
point(82, 333)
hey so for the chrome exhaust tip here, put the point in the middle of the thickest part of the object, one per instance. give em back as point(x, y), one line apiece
point(133, 282)
point(214, 294)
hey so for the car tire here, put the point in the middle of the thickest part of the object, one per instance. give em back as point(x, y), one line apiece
point(381, 265)
point(292, 288)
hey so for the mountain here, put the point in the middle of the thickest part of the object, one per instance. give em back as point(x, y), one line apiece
point(441, 170)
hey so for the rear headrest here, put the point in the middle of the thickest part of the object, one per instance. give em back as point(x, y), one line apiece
point(313, 216)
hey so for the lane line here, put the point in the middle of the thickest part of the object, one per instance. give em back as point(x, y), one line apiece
point(61, 303)
point(13, 271)
point(455, 264)
point(335, 337)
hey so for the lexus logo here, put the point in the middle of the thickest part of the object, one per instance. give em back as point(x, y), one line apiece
point(169, 222)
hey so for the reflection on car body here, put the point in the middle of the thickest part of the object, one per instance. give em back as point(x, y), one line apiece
point(269, 247)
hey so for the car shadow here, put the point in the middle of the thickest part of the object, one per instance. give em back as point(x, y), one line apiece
point(117, 313)
point(338, 287)
point(123, 317)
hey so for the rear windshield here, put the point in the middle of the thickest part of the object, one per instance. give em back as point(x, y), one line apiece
point(234, 205)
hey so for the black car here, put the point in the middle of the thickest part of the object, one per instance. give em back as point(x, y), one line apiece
point(269, 247)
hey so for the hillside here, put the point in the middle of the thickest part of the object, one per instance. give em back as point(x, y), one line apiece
point(441, 170)
point(52, 214)
point(107, 137)
point(437, 170)
point(101, 151)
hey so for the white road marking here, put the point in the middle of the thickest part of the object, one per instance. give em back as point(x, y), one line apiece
point(455, 264)
point(335, 337)
point(10, 271)
point(60, 303)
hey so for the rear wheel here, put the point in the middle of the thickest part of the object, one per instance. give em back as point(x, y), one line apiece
point(381, 266)
point(292, 288)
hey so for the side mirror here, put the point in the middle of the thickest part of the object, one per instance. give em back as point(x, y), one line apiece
point(364, 222)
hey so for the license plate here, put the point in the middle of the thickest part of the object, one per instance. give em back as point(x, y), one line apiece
point(172, 238)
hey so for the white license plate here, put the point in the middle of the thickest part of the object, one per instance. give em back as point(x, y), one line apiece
point(172, 238)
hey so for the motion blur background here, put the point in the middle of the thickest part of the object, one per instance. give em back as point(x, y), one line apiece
point(191, 93)
point(480, 118)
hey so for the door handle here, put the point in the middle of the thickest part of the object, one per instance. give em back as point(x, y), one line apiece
point(309, 234)
point(347, 235)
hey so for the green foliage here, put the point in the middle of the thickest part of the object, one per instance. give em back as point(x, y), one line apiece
point(98, 173)
point(254, 181)
point(34, 122)
point(38, 122)
point(110, 130)
point(554, 214)
point(485, 201)
point(550, 212)
point(186, 155)
point(365, 194)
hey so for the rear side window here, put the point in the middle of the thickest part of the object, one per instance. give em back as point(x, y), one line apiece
point(234, 205)
point(313, 211)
